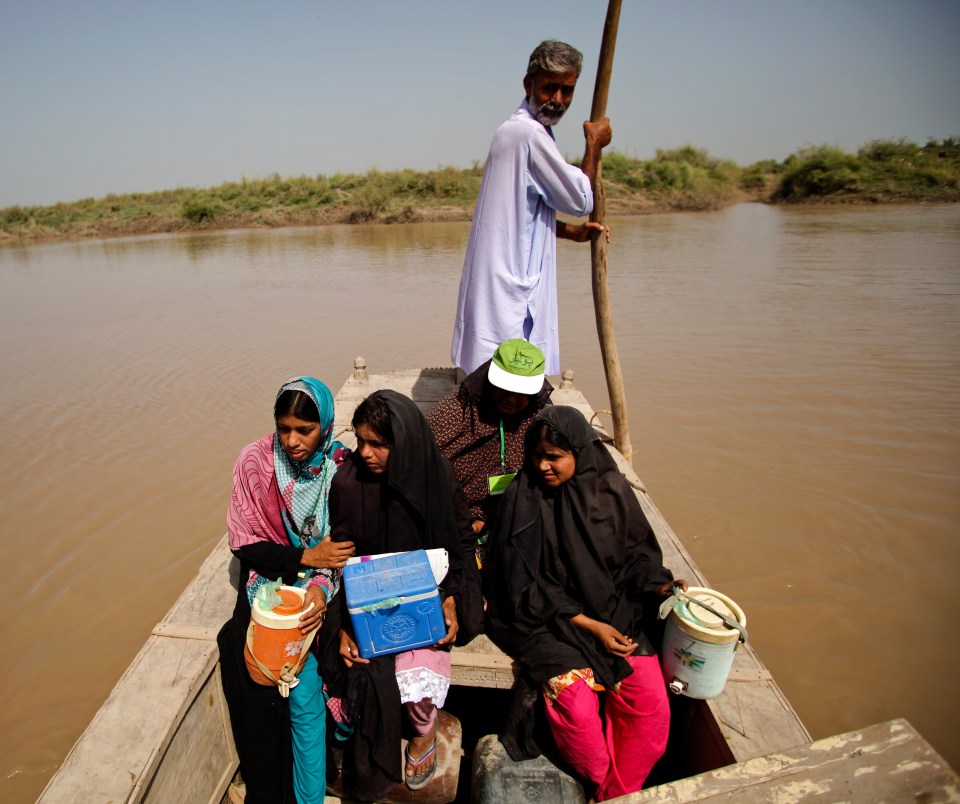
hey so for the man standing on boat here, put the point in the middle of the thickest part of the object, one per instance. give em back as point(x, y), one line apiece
point(508, 288)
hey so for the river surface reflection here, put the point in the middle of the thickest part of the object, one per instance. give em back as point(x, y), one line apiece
point(793, 379)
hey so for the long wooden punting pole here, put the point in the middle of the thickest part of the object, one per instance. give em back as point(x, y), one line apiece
point(598, 247)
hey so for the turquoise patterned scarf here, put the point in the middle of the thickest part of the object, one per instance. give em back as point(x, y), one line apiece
point(305, 485)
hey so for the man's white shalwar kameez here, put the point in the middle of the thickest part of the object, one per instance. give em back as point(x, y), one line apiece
point(508, 288)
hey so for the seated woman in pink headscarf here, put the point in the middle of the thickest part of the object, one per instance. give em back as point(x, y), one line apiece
point(279, 527)
point(573, 567)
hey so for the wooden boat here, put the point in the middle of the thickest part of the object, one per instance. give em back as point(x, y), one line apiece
point(164, 733)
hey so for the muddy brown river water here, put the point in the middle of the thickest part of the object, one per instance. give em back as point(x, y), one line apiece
point(793, 380)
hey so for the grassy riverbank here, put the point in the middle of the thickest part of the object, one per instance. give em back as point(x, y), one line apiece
point(681, 179)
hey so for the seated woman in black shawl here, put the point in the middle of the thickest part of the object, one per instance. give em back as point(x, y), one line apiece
point(573, 566)
point(395, 493)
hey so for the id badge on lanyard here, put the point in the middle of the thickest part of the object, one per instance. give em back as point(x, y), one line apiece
point(498, 483)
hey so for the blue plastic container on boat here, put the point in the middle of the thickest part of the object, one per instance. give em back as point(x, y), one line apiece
point(394, 604)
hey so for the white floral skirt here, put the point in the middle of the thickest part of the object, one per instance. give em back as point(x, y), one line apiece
point(423, 673)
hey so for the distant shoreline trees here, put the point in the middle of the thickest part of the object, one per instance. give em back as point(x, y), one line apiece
point(686, 178)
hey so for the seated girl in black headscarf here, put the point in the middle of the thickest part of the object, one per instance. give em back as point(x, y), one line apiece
point(395, 493)
point(573, 567)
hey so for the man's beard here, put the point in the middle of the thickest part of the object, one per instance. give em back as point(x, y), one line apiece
point(548, 114)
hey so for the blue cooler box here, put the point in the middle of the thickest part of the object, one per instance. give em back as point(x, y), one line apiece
point(393, 603)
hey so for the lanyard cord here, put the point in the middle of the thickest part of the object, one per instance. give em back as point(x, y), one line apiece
point(502, 449)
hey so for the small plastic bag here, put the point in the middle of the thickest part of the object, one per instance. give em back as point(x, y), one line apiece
point(267, 597)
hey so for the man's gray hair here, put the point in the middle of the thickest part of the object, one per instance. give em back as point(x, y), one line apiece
point(551, 56)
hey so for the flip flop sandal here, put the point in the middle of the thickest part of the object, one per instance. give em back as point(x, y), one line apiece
point(416, 780)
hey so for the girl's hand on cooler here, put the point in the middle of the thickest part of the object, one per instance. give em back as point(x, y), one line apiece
point(667, 589)
point(313, 617)
point(349, 652)
point(450, 618)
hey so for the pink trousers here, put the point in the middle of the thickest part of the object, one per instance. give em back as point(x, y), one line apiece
point(614, 754)
point(421, 714)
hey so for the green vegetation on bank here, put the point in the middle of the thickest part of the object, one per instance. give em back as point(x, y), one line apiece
point(680, 179)
point(882, 170)
point(394, 197)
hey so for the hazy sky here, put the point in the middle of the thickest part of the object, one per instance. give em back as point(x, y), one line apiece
point(117, 96)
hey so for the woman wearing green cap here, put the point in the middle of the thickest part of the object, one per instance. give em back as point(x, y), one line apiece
point(480, 429)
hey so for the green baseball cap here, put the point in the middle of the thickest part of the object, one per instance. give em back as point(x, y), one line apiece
point(517, 366)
